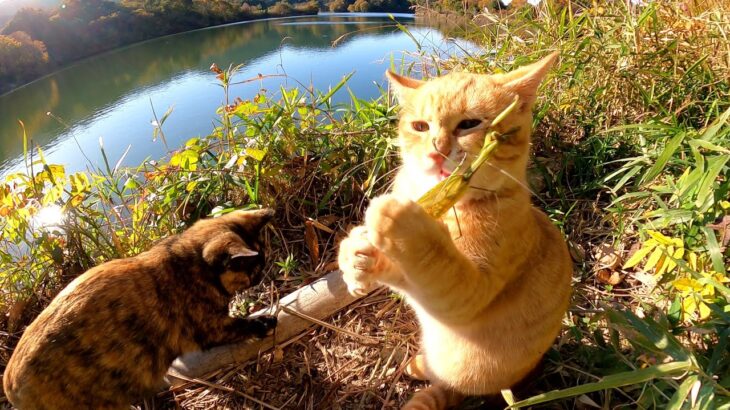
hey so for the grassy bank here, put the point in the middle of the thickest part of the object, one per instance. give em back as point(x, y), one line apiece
point(631, 150)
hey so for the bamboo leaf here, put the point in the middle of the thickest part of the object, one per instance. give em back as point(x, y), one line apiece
point(654, 258)
point(659, 237)
point(256, 154)
point(508, 397)
point(639, 255)
point(671, 261)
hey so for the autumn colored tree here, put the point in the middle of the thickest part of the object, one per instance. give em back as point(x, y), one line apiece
point(359, 6)
point(21, 57)
point(281, 8)
point(311, 7)
point(337, 5)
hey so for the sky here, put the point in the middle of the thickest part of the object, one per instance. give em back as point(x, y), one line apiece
point(11, 6)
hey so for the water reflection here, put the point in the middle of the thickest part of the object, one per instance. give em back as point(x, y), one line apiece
point(110, 95)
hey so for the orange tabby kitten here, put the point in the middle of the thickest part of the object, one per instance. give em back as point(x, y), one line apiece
point(490, 282)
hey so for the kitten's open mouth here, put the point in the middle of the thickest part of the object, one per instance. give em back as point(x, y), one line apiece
point(443, 174)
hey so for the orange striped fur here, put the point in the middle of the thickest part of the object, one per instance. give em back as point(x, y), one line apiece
point(433, 397)
point(490, 282)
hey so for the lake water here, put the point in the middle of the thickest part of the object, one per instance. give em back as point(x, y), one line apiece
point(109, 97)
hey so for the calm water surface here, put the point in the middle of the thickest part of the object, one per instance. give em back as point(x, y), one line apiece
point(109, 97)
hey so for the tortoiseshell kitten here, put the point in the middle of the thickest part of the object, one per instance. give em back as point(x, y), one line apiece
point(109, 337)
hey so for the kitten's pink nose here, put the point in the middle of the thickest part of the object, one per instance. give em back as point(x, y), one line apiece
point(437, 158)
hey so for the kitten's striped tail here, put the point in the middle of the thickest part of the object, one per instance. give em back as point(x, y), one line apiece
point(434, 397)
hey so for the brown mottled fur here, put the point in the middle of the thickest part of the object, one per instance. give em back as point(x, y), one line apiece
point(109, 337)
point(490, 282)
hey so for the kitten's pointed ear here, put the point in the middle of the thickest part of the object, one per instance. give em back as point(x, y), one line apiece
point(401, 84)
point(219, 250)
point(525, 80)
point(244, 253)
point(251, 221)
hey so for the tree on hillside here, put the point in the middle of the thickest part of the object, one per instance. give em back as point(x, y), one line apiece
point(29, 20)
point(21, 57)
point(359, 6)
point(337, 5)
point(281, 8)
point(312, 6)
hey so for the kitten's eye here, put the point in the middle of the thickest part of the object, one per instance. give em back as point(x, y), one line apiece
point(468, 124)
point(420, 126)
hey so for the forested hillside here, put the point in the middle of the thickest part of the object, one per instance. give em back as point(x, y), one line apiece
point(36, 41)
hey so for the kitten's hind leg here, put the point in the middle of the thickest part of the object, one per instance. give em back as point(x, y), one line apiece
point(416, 367)
point(436, 397)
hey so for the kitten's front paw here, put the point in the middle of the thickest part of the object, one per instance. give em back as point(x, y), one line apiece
point(360, 262)
point(400, 227)
point(263, 325)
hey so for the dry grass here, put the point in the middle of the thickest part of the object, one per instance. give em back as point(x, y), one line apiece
point(322, 368)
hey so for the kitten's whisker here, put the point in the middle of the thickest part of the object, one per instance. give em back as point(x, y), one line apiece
point(433, 143)
point(446, 157)
point(481, 189)
point(458, 225)
point(508, 175)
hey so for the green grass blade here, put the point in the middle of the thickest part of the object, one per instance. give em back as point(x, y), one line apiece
point(336, 88)
point(25, 143)
point(663, 158)
point(680, 396)
point(104, 157)
point(655, 336)
point(719, 350)
point(705, 398)
point(610, 382)
point(714, 128)
point(709, 146)
point(706, 189)
point(407, 32)
point(715, 255)
point(624, 179)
